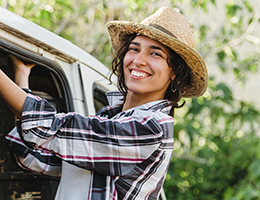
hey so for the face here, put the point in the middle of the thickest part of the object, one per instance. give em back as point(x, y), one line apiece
point(146, 70)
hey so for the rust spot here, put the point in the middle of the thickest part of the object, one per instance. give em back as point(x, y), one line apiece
point(2, 166)
point(13, 195)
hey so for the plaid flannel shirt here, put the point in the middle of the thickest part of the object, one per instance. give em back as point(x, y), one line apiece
point(128, 153)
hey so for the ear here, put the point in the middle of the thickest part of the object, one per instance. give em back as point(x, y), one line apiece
point(173, 76)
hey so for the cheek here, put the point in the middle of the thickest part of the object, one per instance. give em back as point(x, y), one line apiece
point(127, 59)
point(162, 68)
point(166, 74)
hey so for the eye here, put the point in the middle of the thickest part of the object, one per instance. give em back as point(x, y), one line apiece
point(133, 49)
point(156, 54)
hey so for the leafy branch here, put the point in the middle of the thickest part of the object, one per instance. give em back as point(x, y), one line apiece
point(190, 158)
point(247, 35)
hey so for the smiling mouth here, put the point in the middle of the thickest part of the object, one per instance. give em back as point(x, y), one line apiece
point(139, 74)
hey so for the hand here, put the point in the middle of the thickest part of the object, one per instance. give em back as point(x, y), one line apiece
point(21, 72)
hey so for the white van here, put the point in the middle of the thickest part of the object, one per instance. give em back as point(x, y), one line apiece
point(65, 75)
point(68, 77)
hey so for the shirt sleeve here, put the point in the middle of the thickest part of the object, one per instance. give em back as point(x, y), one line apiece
point(44, 162)
point(107, 146)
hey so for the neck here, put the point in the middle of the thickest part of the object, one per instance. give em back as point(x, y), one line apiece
point(134, 100)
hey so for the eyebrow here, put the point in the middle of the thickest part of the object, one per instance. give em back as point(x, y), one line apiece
point(156, 47)
point(152, 46)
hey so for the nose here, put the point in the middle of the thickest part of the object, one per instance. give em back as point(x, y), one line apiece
point(140, 59)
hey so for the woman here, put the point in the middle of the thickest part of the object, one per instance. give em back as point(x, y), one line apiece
point(127, 146)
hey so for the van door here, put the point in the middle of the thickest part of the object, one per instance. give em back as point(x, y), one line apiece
point(48, 81)
point(95, 85)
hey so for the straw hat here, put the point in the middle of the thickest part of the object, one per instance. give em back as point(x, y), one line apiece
point(172, 29)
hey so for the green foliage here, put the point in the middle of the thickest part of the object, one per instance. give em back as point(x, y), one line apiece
point(217, 152)
point(202, 4)
point(216, 147)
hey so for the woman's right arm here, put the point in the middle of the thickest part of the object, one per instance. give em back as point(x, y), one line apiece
point(12, 94)
point(21, 72)
point(106, 146)
point(41, 161)
point(9, 91)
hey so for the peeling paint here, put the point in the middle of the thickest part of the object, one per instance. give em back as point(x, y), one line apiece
point(27, 196)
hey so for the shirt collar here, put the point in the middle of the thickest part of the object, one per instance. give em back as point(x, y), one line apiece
point(115, 99)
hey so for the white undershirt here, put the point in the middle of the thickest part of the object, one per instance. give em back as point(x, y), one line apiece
point(74, 183)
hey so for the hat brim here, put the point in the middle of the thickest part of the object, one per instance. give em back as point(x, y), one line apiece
point(199, 74)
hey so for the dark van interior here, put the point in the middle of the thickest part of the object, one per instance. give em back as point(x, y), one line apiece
point(48, 81)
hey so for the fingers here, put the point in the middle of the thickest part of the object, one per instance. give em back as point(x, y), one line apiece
point(30, 65)
point(19, 63)
point(16, 62)
point(21, 71)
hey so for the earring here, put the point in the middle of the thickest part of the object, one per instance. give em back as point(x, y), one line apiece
point(173, 90)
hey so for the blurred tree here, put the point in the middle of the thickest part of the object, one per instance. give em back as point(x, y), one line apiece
point(217, 145)
point(216, 152)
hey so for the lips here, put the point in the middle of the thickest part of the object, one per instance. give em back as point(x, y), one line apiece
point(138, 73)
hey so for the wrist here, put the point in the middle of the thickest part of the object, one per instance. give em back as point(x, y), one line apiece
point(27, 90)
point(22, 80)
point(22, 83)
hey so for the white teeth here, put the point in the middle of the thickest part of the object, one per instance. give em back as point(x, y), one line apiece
point(139, 74)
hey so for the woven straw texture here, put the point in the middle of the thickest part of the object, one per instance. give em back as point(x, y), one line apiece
point(172, 29)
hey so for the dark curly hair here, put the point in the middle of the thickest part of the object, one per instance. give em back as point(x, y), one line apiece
point(175, 89)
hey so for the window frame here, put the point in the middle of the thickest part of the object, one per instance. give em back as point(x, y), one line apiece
point(46, 63)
